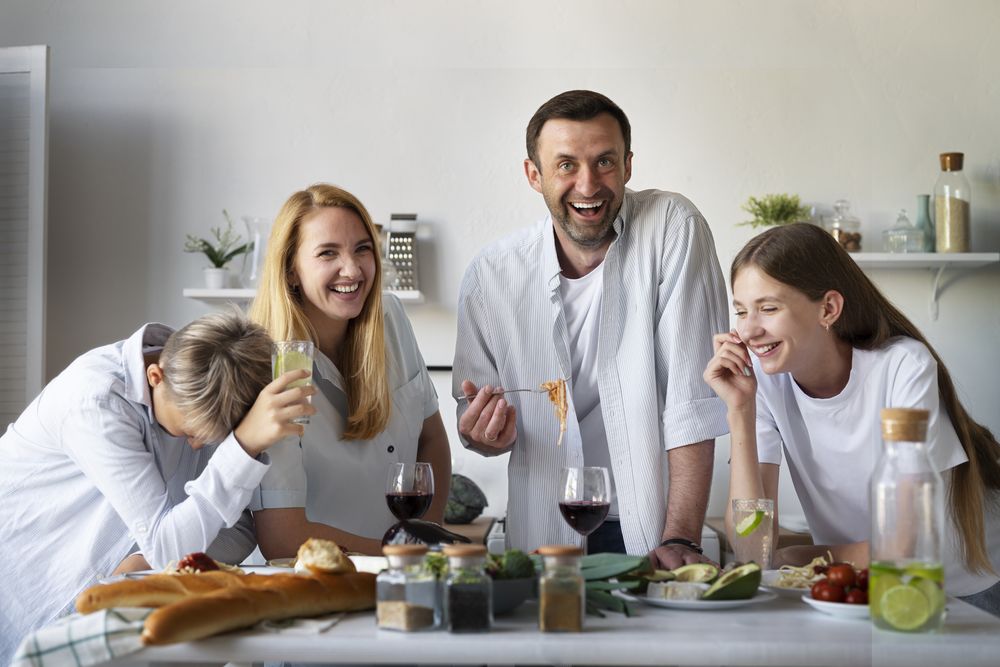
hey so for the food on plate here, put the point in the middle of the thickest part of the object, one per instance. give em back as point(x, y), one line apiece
point(322, 557)
point(557, 394)
point(197, 562)
point(676, 590)
point(841, 583)
point(696, 572)
point(803, 577)
point(740, 583)
point(274, 597)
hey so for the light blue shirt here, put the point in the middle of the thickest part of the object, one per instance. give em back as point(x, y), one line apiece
point(88, 477)
point(663, 299)
point(342, 482)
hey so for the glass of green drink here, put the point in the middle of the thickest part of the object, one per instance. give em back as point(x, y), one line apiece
point(293, 355)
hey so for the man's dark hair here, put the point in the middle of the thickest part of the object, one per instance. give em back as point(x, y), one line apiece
point(574, 105)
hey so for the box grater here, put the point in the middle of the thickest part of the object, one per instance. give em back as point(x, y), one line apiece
point(401, 250)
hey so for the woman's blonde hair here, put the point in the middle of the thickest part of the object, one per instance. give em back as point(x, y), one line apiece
point(214, 369)
point(278, 307)
point(808, 259)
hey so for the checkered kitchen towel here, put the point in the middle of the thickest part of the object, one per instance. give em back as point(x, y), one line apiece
point(81, 640)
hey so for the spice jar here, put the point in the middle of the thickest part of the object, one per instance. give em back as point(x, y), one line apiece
point(468, 590)
point(844, 227)
point(560, 590)
point(406, 594)
point(951, 205)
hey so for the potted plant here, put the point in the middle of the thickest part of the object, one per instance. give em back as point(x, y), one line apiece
point(777, 209)
point(219, 252)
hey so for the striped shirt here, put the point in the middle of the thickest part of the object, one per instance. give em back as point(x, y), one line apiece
point(663, 299)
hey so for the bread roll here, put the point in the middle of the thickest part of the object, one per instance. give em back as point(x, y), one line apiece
point(155, 590)
point(322, 557)
point(274, 597)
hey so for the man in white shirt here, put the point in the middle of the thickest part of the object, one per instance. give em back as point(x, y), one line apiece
point(612, 292)
point(109, 469)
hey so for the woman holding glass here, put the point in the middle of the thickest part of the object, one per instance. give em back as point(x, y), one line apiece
point(834, 352)
point(375, 404)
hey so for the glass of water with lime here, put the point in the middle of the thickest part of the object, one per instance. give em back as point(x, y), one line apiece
point(293, 355)
point(753, 531)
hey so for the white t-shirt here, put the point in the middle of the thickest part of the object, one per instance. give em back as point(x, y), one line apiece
point(832, 445)
point(342, 482)
point(581, 299)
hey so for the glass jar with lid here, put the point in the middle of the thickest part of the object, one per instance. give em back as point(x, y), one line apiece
point(844, 227)
point(561, 596)
point(407, 597)
point(903, 236)
point(468, 590)
point(952, 203)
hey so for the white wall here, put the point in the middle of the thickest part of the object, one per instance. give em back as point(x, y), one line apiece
point(163, 114)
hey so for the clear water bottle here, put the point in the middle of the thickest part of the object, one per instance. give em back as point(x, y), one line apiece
point(906, 576)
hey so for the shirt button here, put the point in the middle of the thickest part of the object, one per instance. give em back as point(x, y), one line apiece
point(391, 449)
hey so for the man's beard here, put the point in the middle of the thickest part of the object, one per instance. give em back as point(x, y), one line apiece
point(585, 236)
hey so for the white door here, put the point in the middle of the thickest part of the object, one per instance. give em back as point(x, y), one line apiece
point(23, 152)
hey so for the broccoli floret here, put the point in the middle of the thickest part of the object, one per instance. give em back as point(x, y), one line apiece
point(517, 565)
point(436, 563)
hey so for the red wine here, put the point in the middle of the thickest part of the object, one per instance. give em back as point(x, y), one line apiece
point(584, 516)
point(408, 504)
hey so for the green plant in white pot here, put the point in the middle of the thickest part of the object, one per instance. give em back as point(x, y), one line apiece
point(226, 246)
point(777, 209)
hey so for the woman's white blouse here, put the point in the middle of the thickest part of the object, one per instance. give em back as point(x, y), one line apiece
point(342, 482)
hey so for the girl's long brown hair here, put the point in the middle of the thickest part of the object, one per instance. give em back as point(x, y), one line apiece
point(807, 258)
point(278, 307)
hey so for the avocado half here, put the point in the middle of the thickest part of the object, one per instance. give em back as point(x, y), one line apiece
point(740, 583)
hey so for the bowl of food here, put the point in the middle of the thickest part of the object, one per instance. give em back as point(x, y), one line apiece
point(509, 594)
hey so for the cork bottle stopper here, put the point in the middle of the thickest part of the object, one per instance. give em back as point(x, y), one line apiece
point(952, 161)
point(904, 424)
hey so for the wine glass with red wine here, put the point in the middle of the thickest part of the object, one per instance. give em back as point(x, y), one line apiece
point(584, 498)
point(409, 489)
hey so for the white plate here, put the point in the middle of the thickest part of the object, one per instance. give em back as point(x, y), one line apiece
point(841, 609)
point(248, 569)
point(769, 579)
point(700, 605)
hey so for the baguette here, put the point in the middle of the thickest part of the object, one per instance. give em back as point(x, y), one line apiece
point(275, 597)
point(156, 590)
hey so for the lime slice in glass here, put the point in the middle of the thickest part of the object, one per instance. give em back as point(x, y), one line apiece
point(749, 523)
point(905, 607)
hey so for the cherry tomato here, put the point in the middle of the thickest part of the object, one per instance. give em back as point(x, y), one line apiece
point(841, 574)
point(862, 581)
point(827, 592)
point(856, 596)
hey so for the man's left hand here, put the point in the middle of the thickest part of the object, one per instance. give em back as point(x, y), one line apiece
point(673, 556)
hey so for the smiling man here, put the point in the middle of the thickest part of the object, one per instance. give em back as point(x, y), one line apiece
point(611, 293)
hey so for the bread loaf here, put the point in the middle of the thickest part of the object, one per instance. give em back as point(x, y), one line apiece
point(156, 590)
point(272, 597)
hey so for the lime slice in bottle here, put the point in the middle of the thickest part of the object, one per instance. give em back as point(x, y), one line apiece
point(905, 607)
point(749, 523)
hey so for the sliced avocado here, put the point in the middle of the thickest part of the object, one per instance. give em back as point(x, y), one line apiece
point(701, 573)
point(738, 584)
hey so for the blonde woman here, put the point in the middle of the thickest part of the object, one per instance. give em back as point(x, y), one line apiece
point(108, 470)
point(375, 405)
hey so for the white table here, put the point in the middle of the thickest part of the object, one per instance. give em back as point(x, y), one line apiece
point(781, 632)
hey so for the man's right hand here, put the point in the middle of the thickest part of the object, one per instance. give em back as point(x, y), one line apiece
point(270, 418)
point(489, 423)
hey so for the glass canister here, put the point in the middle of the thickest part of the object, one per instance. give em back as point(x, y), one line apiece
point(903, 236)
point(468, 590)
point(561, 595)
point(952, 204)
point(906, 575)
point(407, 596)
point(844, 227)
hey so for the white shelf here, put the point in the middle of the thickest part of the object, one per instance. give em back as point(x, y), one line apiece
point(934, 261)
point(239, 295)
point(924, 260)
